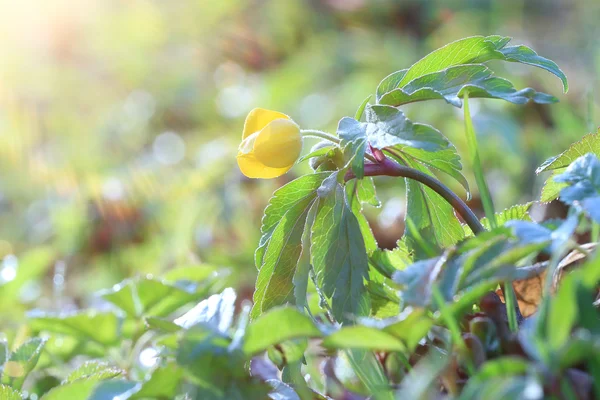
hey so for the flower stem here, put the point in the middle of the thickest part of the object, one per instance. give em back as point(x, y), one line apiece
point(512, 306)
point(390, 168)
point(320, 134)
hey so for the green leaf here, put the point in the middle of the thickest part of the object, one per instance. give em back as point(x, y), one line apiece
point(472, 50)
point(361, 108)
point(363, 337)
point(590, 143)
point(370, 372)
point(433, 216)
point(389, 261)
point(294, 198)
point(303, 268)
point(582, 177)
point(8, 393)
point(22, 361)
point(410, 326)
point(276, 326)
point(367, 193)
point(94, 370)
point(281, 245)
point(215, 313)
point(451, 83)
point(524, 55)
point(163, 383)
point(149, 297)
point(385, 302)
point(386, 127)
point(446, 160)
point(274, 285)
point(101, 327)
point(339, 257)
point(551, 188)
point(78, 390)
point(518, 212)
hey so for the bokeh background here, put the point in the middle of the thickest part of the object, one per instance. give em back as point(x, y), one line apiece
point(120, 119)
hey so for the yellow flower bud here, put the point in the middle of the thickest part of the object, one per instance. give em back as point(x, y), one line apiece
point(271, 144)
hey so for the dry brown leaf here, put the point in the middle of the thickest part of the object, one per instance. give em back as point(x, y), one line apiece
point(529, 291)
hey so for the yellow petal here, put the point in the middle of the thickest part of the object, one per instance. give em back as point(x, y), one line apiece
point(258, 119)
point(279, 144)
point(253, 168)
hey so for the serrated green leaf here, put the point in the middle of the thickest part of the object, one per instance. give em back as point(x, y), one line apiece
point(386, 127)
point(551, 188)
point(433, 216)
point(301, 275)
point(524, 55)
point(446, 160)
point(367, 193)
point(94, 370)
point(451, 83)
point(339, 257)
point(518, 212)
point(363, 337)
point(590, 143)
point(276, 326)
point(295, 198)
point(101, 327)
point(274, 285)
point(22, 361)
point(472, 50)
point(8, 393)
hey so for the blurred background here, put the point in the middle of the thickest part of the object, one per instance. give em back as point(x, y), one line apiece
point(120, 120)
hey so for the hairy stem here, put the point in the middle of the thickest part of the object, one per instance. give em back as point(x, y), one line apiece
point(388, 167)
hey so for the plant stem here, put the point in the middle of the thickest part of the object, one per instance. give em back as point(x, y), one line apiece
point(484, 192)
point(390, 168)
point(320, 134)
point(512, 306)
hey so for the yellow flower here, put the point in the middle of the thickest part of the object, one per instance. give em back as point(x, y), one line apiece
point(271, 144)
